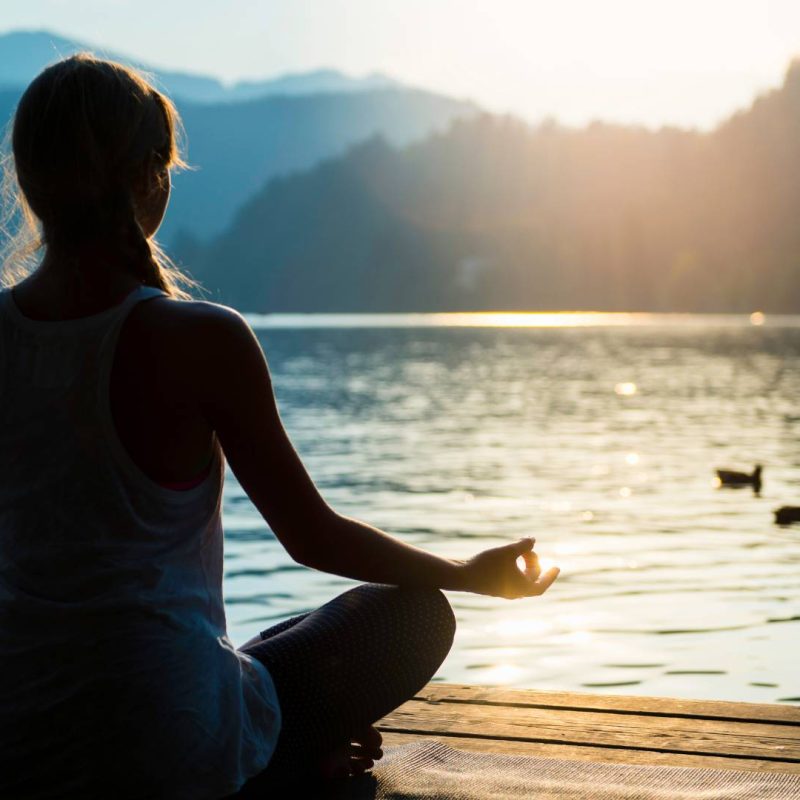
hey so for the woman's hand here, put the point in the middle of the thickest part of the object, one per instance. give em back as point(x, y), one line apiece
point(495, 572)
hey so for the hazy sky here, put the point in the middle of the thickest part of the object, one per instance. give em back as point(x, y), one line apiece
point(686, 62)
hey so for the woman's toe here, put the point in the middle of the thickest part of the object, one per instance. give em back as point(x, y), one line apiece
point(359, 765)
point(370, 739)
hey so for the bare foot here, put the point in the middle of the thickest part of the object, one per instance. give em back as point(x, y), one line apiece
point(353, 758)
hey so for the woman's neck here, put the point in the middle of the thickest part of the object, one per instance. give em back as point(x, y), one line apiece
point(62, 289)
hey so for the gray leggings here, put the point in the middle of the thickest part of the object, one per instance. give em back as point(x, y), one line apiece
point(340, 668)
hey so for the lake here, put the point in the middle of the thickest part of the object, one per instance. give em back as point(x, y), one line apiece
point(597, 434)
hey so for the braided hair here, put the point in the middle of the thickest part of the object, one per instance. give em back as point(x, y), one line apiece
point(83, 134)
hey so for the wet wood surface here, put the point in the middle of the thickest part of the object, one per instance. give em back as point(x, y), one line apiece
point(634, 730)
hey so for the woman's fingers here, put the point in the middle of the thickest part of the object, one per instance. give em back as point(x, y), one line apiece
point(544, 582)
point(525, 585)
point(518, 548)
point(532, 568)
point(499, 572)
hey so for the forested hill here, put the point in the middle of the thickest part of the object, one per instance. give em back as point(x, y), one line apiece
point(494, 214)
point(235, 147)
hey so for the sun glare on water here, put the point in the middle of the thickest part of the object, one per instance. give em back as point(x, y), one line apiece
point(625, 389)
point(534, 319)
point(522, 627)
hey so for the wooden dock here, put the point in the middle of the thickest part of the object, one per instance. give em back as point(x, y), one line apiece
point(633, 730)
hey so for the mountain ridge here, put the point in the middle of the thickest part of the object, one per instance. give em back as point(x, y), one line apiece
point(23, 53)
point(235, 144)
point(495, 214)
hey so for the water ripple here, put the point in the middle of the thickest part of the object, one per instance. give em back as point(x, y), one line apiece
point(455, 439)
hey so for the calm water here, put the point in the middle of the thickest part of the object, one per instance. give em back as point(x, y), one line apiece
point(597, 435)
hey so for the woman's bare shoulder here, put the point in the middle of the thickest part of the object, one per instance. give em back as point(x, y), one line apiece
point(169, 312)
point(188, 320)
point(189, 334)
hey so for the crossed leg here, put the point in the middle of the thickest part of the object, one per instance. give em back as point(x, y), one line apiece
point(340, 668)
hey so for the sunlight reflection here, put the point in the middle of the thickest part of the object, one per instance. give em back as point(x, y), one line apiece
point(503, 319)
point(574, 620)
point(625, 389)
point(519, 628)
point(632, 459)
point(524, 319)
point(508, 652)
point(625, 491)
point(546, 564)
point(578, 623)
point(501, 673)
point(578, 637)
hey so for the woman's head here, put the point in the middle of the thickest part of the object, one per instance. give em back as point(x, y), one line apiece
point(93, 143)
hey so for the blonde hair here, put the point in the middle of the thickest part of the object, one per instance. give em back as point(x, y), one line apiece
point(81, 133)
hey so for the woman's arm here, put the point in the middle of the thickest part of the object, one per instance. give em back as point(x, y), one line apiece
point(239, 403)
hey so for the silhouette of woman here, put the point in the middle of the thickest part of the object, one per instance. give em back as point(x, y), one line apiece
point(120, 400)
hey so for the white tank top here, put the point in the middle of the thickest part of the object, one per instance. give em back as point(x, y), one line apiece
point(117, 677)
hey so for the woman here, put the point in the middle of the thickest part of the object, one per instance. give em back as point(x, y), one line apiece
point(118, 398)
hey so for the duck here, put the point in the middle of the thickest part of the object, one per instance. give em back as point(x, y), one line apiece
point(786, 515)
point(731, 477)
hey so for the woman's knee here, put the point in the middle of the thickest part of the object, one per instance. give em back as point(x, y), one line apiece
point(433, 627)
point(422, 615)
point(436, 609)
point(420, 608)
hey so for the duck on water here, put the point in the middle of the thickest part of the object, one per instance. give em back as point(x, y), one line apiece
point(786, 515)
point(735, 479)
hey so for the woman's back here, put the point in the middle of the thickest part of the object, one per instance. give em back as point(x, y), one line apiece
point(116, 674)
point(152, 388)
point(114, 659)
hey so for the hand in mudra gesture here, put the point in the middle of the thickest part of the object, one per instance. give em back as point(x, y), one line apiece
point(495, 572)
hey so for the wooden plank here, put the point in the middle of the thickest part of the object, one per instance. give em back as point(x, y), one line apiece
point(620, 704)
point(598, 729)
point(582, 753)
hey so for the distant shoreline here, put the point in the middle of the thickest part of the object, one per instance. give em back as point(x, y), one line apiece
point(521, 319)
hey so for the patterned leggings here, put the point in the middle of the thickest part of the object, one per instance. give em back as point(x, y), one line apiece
point(342, 667)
